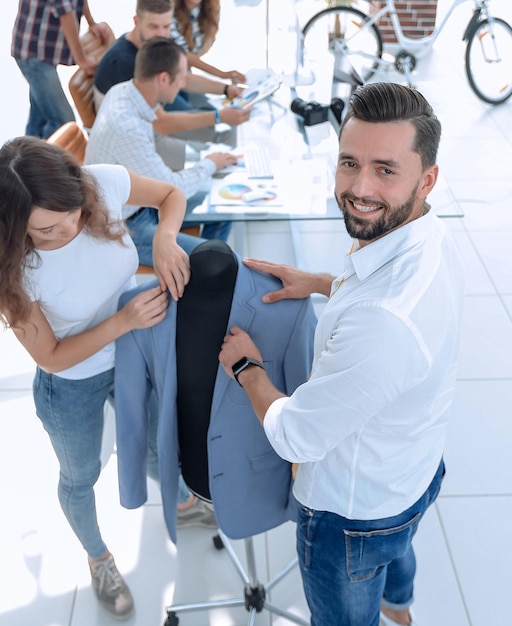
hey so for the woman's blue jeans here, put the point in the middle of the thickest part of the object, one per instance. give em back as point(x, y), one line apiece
point(350, 567)
point(49, 107)
point(72, 414)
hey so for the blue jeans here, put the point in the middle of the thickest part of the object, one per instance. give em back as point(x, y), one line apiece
point(350, 567)
point(49, 107)
point(142, 227)
point(211, 230)
point(180, 103)
point(189, 102)
point(72, 414)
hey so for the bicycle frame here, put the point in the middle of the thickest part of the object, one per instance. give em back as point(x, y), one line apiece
point(356, 34)
point(419, 46)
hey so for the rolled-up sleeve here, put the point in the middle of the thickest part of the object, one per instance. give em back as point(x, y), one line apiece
point(352, 381)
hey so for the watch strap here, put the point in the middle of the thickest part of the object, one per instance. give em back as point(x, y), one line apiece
point(243, 364)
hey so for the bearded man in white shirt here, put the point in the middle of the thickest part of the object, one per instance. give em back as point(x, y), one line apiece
point(368, 428)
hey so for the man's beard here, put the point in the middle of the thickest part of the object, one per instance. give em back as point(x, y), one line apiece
point(390, 218)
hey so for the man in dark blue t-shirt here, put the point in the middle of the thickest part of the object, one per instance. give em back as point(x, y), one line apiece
point(197, 117)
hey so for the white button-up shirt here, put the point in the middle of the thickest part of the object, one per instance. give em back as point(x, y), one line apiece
point(368, 428)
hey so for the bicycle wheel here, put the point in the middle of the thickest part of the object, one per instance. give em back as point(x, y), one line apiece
point(343, 29)
point(489, 61)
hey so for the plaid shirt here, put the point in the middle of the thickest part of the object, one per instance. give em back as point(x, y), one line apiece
point(37, 33)
point(197, 35)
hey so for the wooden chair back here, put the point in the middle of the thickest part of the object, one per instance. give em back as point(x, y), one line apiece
point(72, 138)
point(81, 86)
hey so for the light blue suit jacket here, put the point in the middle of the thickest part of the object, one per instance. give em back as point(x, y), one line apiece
point(250, 484)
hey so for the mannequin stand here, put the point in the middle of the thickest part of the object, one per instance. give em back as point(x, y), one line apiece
point(254, 596)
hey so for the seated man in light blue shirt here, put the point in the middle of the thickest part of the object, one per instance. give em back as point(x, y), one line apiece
point(123, 134)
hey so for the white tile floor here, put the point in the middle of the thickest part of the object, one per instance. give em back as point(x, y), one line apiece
point(464, 546)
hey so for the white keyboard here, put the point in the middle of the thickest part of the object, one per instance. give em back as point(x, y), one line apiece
point(257, 162)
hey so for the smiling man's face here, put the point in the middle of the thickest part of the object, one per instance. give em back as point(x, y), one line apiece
point(380, 181)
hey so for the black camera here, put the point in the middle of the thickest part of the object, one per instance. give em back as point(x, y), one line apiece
point(316, 113)
point(337, 106)
point(312, 112)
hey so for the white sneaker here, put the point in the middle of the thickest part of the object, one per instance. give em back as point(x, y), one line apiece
point(111, 590)
point(386, 621)
point(199, 514)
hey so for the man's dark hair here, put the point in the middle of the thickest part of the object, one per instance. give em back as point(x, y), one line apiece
point(157, 55)
point(390, 102)
point(154, 6)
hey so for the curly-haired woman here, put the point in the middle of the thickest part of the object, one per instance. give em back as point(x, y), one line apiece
point(65, 258)
point(194, 27)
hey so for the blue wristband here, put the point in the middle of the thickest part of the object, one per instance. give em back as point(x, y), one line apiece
point(217, 116)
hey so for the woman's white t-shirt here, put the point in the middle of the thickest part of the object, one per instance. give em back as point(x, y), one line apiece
point(78, 285)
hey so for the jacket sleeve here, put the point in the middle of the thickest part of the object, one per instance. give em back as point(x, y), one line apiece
point(131, 392)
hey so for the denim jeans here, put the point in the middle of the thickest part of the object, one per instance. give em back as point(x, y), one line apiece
point(72, 414)
point(49, 107)
point(189, 102)
point(142, 227)
point(350, 567)
point(180, 103)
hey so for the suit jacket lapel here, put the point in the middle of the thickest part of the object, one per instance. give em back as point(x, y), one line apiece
point(242, 313)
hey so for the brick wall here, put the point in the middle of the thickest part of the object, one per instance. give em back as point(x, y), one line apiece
point(417, 18)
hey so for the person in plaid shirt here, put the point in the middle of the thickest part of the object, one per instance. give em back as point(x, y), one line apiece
point(46, 34)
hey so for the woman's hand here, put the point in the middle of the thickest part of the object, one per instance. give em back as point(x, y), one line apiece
point(234, 76)
point(145, 310)
point(169, 260)
point(171, 263)
point(54, 355)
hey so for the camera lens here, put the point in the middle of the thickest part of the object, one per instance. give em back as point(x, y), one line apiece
point(297, 106)
point(337, 106)
point(311, 112)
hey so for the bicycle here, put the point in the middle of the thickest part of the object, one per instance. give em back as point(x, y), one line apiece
point(348, 30)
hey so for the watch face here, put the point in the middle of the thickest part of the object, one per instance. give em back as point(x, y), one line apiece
point(239, 365)
point(244, 362)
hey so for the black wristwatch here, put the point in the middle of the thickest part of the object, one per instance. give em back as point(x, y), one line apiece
point(243, 364)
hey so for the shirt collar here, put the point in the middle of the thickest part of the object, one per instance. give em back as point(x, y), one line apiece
point(367, 260)
point(143, 109)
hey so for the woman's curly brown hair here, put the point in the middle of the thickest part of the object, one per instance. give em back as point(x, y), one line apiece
point(34, 173)
point(209, 16)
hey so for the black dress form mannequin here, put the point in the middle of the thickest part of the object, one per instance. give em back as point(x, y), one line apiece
point(201, 324)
